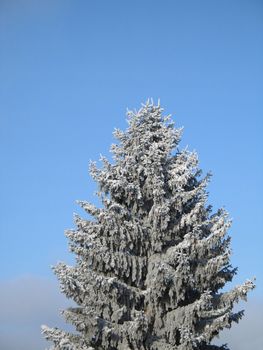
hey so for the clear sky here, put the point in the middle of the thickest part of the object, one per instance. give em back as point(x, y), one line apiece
point(68, 71)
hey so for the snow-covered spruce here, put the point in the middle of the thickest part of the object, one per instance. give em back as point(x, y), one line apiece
point(151, 263)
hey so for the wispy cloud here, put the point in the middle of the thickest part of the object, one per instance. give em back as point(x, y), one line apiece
point(25, 304)
point(28, 302)
point(247, 334)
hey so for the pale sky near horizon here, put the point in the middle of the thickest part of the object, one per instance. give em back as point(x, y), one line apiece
point(68, 71)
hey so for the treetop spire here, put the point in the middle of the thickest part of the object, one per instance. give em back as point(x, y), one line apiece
point(152, 262)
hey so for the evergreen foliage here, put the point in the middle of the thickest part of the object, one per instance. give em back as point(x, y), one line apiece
point(151, 263)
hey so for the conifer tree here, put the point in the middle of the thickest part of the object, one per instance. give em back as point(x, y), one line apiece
point(151, 263)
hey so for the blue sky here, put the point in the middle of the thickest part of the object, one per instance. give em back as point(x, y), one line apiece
point(69, 70)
